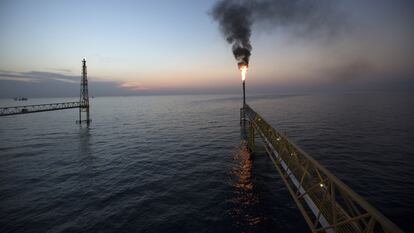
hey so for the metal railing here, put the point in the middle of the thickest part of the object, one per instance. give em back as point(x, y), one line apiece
point(7, 111)
point(327, 204)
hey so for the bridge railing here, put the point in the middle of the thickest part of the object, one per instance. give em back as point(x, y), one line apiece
point(6, 111)
point(327, 204)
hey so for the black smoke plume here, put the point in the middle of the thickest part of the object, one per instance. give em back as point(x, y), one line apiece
point(235, 21)
point(304, 17)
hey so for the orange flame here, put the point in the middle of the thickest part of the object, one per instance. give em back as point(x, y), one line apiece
point(243, 70)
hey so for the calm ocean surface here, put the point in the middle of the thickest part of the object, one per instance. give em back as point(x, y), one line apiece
point(174, 164)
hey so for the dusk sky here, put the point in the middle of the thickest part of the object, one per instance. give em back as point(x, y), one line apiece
point(144, 47)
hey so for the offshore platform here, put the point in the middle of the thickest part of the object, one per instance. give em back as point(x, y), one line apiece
point(82, 105)
point(327, 204)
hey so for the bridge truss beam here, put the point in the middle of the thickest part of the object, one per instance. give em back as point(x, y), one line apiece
point(327, 204)
point(16, 110)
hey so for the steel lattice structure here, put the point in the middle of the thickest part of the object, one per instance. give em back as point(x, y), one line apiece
point(7, 111)
point(84, 95)
point(327, 204)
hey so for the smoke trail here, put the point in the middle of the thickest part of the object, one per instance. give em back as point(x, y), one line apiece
point(235, 22)
point(305, 17)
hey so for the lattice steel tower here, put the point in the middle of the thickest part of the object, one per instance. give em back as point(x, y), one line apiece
point(84, 96)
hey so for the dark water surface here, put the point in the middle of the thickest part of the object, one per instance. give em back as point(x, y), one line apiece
point(175, 164)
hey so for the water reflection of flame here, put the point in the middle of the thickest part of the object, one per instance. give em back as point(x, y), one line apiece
point(245, 199)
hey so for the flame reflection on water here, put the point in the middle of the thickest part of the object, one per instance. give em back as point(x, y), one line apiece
point(245, 199)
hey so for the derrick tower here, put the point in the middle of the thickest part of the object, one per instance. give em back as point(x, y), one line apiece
point(84, 96)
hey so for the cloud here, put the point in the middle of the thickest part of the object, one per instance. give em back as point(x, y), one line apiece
point(133, 85)
point(63, 70)
point(37, 76)
point(50, 84)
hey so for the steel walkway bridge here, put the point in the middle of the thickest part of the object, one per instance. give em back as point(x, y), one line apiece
point(326, 203)
point(7, 111)
point(83, 103)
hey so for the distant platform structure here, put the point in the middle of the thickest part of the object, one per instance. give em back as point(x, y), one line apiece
point(20, 98)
